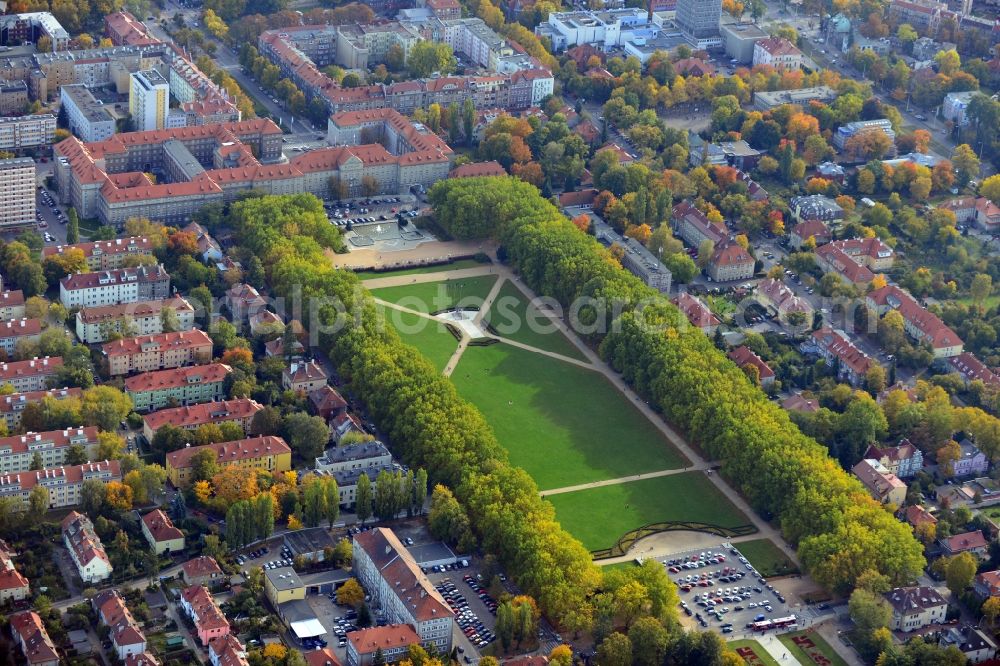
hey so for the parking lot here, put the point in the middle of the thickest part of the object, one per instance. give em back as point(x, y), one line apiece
point(720, 589)
point(475, 610)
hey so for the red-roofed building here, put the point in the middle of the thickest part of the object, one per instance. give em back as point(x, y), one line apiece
point(12, 405)
point(30, 635)
point(987, 584)
point(239, 411)
point(582, 198)
point(144, 659)
point(731, 261)
point(920, 324)
point(85, 548)
point(882, 484)
point(777, 52)
point(209, 622)
point(904, 460)
point(125, 634)
point(444, 9)
point(694, 67)
point(324, 657)
point(12, 304)
point(126, 30)
point(744, 357)
point(161, 534)
point(102, 322)
point(623, 156)
point(478, 170)
point(304, 376)
point(268, 452)
point(30, 375)
point(17, 332)
point(243, 300)
point(105, 255)
point(190, 385)
point(17, 452)
point(389, 573)
point(837, 349)
point(203, 570)
point(227, 651)
point(968, 542)
point(698, 314)
point(917, 515)
point(327, 402)
point(831, 259)
point(777, 296)
point(13, 585)
point(797, 403)
point(694, 226)
point(972, 369)
point(393, 641)
point(146, 353)
point(803, 231)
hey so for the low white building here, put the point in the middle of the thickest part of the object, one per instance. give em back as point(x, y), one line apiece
point(85, 548)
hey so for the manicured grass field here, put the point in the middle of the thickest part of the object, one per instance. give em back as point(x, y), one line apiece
point(565, 425)
point(767, 558)
point(764, 658)
point(802, 654)
point(422, 270)
point(434, 296)
point(600, 516)
point(430, 337)
point(514, 317)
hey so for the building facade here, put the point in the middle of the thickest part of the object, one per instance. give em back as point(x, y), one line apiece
point(105, 255)
point(114, 287)
point(148, 100)
point(87, 116)
point(18, 452)
point(190, 385)
point(916, 607)
point(100, 323)
point(85, 548)
point(17, 193)
point(239, 411)
point(147, 353)
point(30, 375)
point(268, 453)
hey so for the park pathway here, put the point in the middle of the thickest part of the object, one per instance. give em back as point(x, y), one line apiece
point(626, 479)
point(778, 651)
point(764, 529)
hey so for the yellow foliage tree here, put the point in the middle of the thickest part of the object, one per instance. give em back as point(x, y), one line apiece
point(234, 483)
point(118, 496)
point(202, 491)
point(275, 651)
point(294, 523)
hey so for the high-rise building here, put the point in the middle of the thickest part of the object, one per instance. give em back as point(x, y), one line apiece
point(699, 19)
point(148, 100)
point(17, 193)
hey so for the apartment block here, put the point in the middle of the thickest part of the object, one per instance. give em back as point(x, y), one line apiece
point(17, 452)
point(13, 97)
point(20, 132)
point(114, 287)
point(777, 52)
point(17, 193)
point(12, 405)
point(31, 26)
point(105, 255)
point(11, 305)
point(148, 100)
point(18, 331)
point(88, 118)
point(388, 572)
point(85, 548)
point(363, 455)
point(146, 353)
point(63, 483)
point(124, 29)
point(920, 324)
point(239, 411)
point(191, 385)
point(30, 375)
point(99, 324)
point(268, 453)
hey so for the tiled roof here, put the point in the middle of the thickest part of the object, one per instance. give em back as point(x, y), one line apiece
point(201, 566)
point(743, 356)
point(242, 449)
point(176, 377)
point(731, 253)
point(327, 398)
point(918, 515)
point(161, 341)
point(812, 228)
point(25, 481)
point(397, 566)
point(228, 651)
point(14, 444)
point(778, 46)
point(12, 298)
point(838, 344)
point(478, 169)
point(207, 614)
point(935, 330)
point(966, 541)
point(696, 312)
point(192, 416)
point(129, 245)
point(300, 371)
point(876, 478)
point(908, 600)
point(85, 543)
point(326, 657)
point(10, 577)
point(48, 365)
point(368, 641)
point(20, 328)
point(797, 403)
point(161, 527)
point(35, 642)
point(97, 314)
point(972, 369)
point(117, 276)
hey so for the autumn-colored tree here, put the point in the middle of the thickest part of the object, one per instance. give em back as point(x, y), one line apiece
point(582, 222)
point(948, 454)
point(530, 172)
point(293, 522)
point(817, 186)
point(234, 483)
point(238, 357)
point(640, 232)
point(275, 651)
point(351, 593)
point(118, 496)
point(202, 491)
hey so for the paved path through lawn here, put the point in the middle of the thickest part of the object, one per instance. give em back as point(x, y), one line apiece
point(764, 529)
point(625, 479)
point(777, 649)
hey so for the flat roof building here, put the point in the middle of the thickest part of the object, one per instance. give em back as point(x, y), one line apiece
point(87, 116)
point(17, 193)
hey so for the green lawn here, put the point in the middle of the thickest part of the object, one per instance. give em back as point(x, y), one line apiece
point(514, 317)
point(767, 558)
point(821, 647)
point(563, 424)
point(433, 340)
point(600, 516)
point(422, 270)
point(764, 658)
point(434, 296)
